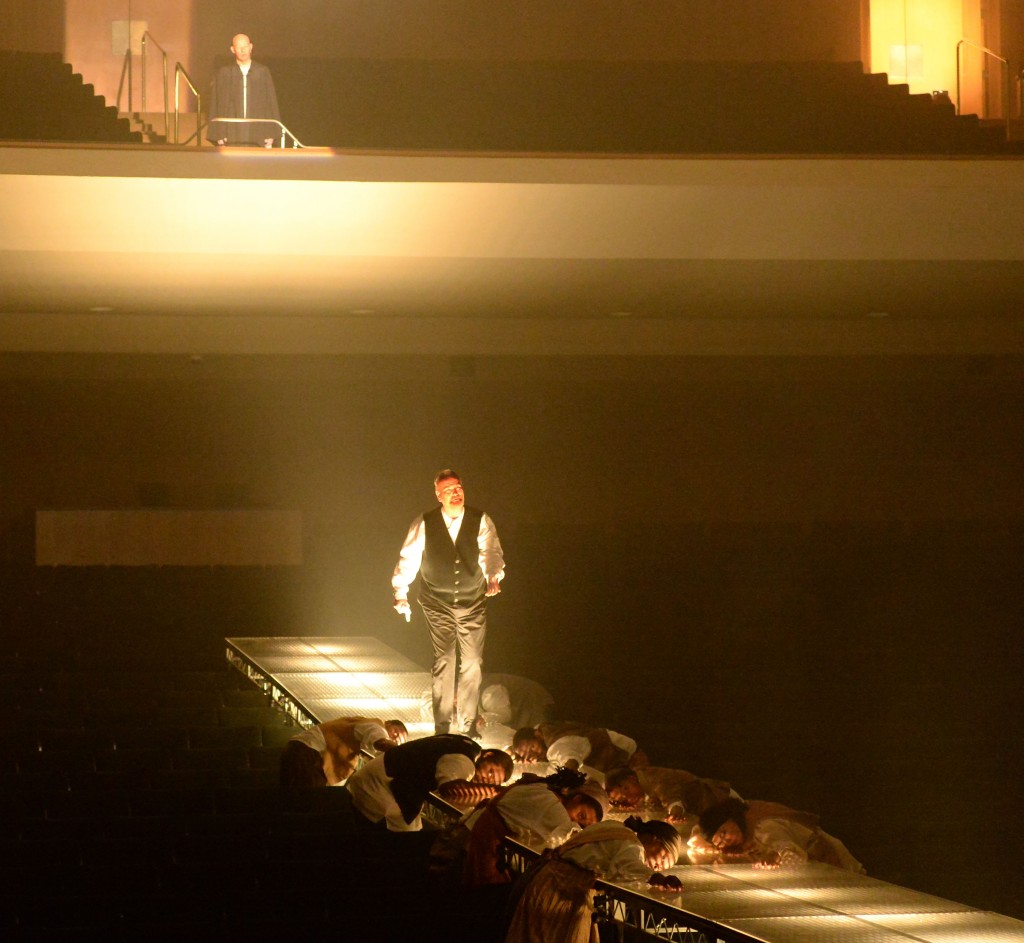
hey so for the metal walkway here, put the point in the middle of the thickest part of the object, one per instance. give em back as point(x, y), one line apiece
point(813, 903)
point(316, 679)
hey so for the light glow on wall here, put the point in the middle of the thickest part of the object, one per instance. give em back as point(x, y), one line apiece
point(914, 42)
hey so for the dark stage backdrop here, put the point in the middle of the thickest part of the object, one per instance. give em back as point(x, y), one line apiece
point(801, 575)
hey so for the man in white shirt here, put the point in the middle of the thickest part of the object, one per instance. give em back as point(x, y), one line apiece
point(456, 553)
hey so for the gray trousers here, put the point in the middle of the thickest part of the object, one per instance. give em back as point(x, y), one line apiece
point(457, 634)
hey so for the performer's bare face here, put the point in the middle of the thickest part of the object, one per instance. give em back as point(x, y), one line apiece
point(242, 48)
point(489, 771)
point(449, 493)
point(627, 795)
point(729, 835)
point(581, 812)
point(528, 749)
point(656, 854)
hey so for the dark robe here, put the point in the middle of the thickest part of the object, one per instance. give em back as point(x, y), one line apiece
point(227, 102)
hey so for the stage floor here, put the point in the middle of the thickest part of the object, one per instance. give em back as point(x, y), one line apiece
point(813, 903)
point(316, 679)
point(321, 678)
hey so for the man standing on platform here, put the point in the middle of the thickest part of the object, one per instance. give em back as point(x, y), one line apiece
point(457, 554)
point(243, 90)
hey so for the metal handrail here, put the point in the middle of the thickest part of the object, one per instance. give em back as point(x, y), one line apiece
point(1006, 77)
point(179, 71)
point(126, 69)
point(285, 133)
point(147, 35)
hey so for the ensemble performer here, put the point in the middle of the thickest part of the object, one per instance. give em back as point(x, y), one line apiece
point(327, 754)
point(675, 795)
point(393, 787)
point(767, 834)
point(554, 899)
point(457, 554)
point(542, 811)
point(595, 750)
point(243, 90)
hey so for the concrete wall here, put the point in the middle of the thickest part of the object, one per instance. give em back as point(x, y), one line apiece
point(197, 33)
point(33, 26)
point(535, 29)
point(91, 48)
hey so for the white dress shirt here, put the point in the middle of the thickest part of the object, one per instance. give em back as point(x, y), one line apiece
point(534, 813)
point(370, 787)
point(491, 559)
point(618, 858)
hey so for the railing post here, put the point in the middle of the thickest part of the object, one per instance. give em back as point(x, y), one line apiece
point(167, 113)
point(1006, 96)
point(958, 45)
point(179, 71)
point(126, 67)
point(1005, 63)
point(144, 43)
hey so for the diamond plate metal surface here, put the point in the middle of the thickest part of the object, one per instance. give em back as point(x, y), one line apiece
point(875, 898)
point(328, 677)
point(731, 902)
point(831, 928)
point(966, 927)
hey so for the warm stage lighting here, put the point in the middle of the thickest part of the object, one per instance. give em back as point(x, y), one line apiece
point(326, 678)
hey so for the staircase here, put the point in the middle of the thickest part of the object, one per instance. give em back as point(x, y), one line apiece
point(150, 125)
point(43, 100)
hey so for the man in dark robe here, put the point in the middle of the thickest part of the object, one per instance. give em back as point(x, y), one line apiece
point(243, 90)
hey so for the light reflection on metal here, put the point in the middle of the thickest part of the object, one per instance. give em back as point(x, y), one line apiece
point(739, 904)
point(316, 679)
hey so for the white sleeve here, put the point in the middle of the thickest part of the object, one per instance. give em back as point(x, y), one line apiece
point(368, 733)
point(627, 744)
point(788, 839)
point(536, 809)
point(492, 560)
point(568, 748)
point(409, 559)
point(454, 766)
point(614, 860)
point(627, 863)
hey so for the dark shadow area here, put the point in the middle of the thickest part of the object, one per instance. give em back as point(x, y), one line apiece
point(803, 577)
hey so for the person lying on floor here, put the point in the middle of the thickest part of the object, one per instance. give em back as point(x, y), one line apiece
point(542, 812)
point(674, 795)
point(554, 899)
point(393, 787)
point(510, 701)
point(767, 835)
point(327, 754)
point(596, 750)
